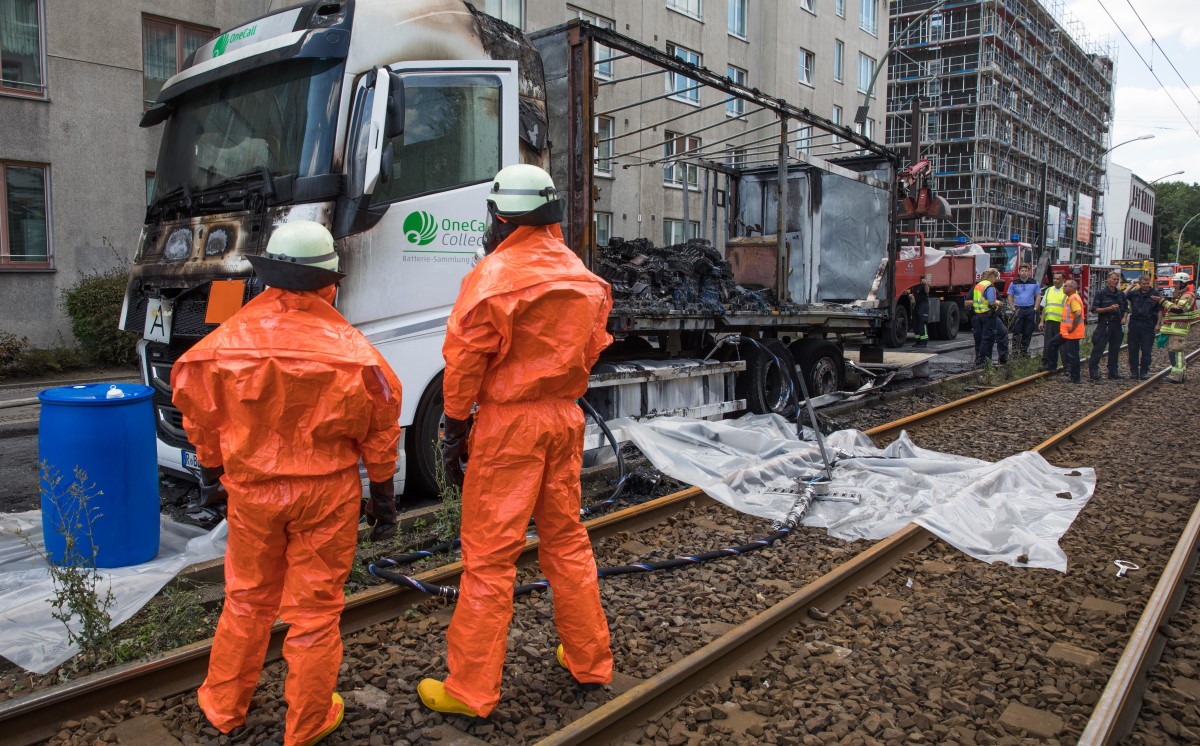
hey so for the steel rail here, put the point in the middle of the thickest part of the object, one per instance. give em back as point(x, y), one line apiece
point(945, 409)
point(749, 641)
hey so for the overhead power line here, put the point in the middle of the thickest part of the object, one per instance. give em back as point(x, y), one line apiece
point(1148, 67)
point(1154, 41)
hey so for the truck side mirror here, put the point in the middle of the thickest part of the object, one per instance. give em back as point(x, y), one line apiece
point(395, 107)
point(375, 129)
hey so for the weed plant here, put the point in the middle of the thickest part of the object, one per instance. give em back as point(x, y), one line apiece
point(447, 522)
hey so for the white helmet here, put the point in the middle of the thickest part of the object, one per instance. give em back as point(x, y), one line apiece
point(300, 255)
point(525, 195)
point(1181, 277)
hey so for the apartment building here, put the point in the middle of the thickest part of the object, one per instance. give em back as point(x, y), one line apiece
point(1017, 105)
point(75, 168)
point(1129, 220)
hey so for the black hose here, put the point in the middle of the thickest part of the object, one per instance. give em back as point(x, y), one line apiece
point(380, 568)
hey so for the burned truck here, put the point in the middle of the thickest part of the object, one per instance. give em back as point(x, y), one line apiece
point(386, 120)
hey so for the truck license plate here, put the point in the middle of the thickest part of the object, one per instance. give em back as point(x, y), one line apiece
point(189, 461)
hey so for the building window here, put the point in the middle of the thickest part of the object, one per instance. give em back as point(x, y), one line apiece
point(21, 48)
point(685, 89)
point(604, 146)
point(868, 19)
point(604, 65)
point(735, 107)
point(866, 129)
point(675, 173)
point(735, 157)
point(673, 231)
point(166, 46)
point(839, 57)
point(806, 67)
point(866, 71)
point(837, 119)
point(24, 217)
point(839, 7)
point(737, 18)
point(509, 11)
point(804, 136)
point(808, 5)
point(603, 228)
point(687, 7)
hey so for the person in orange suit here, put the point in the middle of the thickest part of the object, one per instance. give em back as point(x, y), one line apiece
point(528, 326)
point(281, 402)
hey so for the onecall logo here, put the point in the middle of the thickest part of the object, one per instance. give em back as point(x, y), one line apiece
point(420, 228)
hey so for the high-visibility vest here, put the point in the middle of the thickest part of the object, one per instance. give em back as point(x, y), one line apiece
point(979, 301)
point(1052, 302)
point(1072, 309)
point(1180, 314)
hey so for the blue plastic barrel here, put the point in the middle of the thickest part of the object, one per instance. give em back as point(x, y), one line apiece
point(107, 430)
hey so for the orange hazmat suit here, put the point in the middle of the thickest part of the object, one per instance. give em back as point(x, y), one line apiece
point(528, 326)
point(287, 396)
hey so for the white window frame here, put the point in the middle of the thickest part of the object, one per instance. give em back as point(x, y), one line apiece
point(836, 118)
point(604, 69)
point(868, 16)
point(865, 72)
point(808, 5)
point(604, 149)
point(676, 175)
point(734, 106)
point(806, 68)
point(839, 7)
point(675, 80)
point(735, 157)
point(673, 226)
point(839, 60)
point(685, 7)
point(804, 137)
point(739, 11)
point(604, 219)
point(500, 9)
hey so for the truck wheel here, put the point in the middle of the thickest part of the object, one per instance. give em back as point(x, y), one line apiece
point(821, 363)
point(951, 319)
point(766, 387)
point(420, 480)
point(895, 334)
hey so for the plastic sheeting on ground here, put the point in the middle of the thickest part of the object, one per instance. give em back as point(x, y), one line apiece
point(1017, 507)
point(29, 636)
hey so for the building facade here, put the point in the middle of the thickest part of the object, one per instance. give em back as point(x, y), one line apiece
point(1129, 219)
point(74, 165)
point(1017, 106)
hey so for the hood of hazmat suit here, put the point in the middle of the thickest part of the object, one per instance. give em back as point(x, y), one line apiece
point(528, 326)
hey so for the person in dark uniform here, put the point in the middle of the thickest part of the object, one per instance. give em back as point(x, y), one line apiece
point(1112, 310)
point(920, 294)
point(1145, 306)
point(1023, 295)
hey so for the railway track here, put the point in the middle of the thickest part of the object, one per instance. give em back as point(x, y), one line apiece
point(40, 715)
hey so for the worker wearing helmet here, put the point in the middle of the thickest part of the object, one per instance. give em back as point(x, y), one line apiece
point(282, 401)
point(527, 327)
point(1179, 313)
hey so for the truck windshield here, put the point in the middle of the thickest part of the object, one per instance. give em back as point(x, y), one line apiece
point(1130, 275)
point(1004, 258)
point(281, 117)
point(1166, 271)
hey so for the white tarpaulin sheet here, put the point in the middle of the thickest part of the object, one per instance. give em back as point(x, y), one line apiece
point(37, 642)
point(993, 511)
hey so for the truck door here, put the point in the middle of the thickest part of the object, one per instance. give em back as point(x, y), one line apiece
point(427, 207)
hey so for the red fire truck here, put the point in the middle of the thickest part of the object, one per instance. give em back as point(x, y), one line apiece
point(1089, 277)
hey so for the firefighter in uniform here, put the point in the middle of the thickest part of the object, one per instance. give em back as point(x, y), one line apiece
point(1144, 305)
point(1052, 307)
point(1112, 311)
point(989, 329)
point(1179, 313)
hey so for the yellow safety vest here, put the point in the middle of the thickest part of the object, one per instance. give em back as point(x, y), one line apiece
point(1180, 314)
point(979, 302)
point(1052, 303)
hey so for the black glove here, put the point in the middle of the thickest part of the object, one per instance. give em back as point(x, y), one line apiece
point(380, 509)
point(454, 450)
point(212, 492)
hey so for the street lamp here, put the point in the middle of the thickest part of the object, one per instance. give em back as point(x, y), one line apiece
point(1179, 241)
point(860, 117)
point(1079, 190)
point(1125, 240)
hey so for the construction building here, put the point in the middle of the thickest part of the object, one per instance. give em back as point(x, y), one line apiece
point(1016, 107)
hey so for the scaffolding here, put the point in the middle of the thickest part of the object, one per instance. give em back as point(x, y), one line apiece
point(1016, 107)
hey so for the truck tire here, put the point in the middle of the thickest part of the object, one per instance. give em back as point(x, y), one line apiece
point(895, 334)
point(951, 319)
point(420, 480)
point(821, 363)
point(766, 387)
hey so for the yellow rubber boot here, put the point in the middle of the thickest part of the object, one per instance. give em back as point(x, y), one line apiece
point(562, 661)
point(337, 711)
point(434, 695)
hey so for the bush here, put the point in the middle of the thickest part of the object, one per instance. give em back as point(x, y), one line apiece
point(94, 305)
point(12, 348)
point(18, 358)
